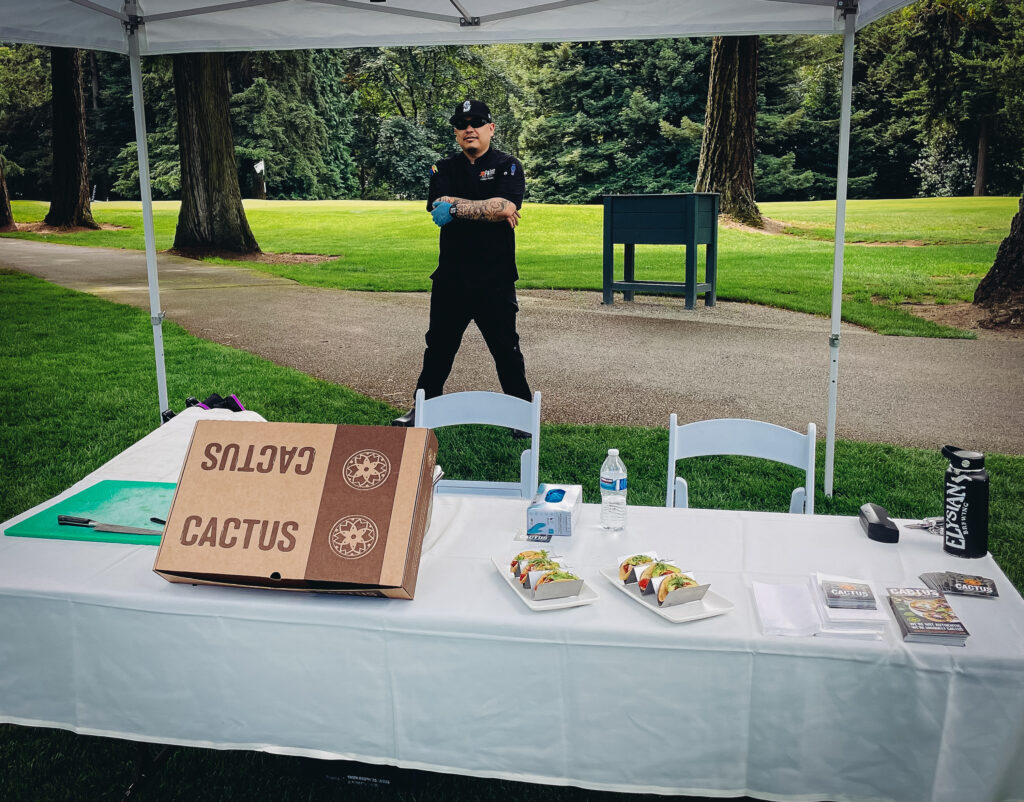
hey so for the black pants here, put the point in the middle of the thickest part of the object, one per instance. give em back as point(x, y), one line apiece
point(493, 309)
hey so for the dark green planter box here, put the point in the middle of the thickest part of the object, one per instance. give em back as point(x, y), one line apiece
point(689, 219)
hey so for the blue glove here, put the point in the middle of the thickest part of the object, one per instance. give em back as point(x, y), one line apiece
point(441, 213)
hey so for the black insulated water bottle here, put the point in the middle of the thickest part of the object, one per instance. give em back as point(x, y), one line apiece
point(966, 510)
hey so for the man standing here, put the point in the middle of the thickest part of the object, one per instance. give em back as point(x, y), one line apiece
point(475, 197)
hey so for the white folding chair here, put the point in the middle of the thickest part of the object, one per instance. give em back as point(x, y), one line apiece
point(746, 438)
point(497, 409)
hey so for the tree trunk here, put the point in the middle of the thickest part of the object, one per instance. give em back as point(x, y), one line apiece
point(211, 216)
point(981, 171)
point(69, 201)
point(1002, 289)
point(727, 149)
point(6, 215)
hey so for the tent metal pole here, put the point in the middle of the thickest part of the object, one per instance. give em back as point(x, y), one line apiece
point(840, 242)
point(156, 315)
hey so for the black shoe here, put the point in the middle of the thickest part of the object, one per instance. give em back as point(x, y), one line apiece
point(408, 419)
point(519, 434)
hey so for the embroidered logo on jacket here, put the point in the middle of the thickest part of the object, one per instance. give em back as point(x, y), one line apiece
point(487, 175)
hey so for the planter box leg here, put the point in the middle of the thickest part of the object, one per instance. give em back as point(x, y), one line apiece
point(628, 269)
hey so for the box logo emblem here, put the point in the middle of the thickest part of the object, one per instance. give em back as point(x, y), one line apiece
point(366, 470)
point(353, 536)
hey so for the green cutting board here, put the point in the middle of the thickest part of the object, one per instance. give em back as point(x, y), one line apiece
point(110, 502)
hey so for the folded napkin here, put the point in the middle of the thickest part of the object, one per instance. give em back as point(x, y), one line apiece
point(786, 609)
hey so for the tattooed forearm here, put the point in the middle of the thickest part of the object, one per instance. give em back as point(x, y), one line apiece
point(492, 210)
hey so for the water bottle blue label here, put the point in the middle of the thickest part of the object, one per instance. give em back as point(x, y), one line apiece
point(613, 484)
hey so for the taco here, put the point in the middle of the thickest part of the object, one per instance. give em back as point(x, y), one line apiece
point(556, 576)
point(537, 564)
point(673, 582)
point(526, 555)
point(627, 567)
point(653, 570)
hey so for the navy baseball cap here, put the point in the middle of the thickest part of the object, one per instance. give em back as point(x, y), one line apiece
point(471, 108)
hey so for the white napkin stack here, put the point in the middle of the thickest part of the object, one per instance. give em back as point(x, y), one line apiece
point(799, 610)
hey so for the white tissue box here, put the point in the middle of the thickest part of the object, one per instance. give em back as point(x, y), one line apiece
point(554, 510)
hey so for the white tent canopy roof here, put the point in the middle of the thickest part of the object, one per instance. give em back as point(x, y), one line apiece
point(181, 26)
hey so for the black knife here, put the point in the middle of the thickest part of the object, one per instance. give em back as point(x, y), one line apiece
point(74, 520)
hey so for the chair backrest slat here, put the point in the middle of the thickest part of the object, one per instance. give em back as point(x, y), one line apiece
point(475, 406)
point(496, 409)
point(745, 438)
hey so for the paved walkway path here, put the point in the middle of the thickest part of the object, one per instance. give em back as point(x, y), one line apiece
point(624, 364)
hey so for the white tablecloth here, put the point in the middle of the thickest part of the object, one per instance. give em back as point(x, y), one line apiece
point(467, 679)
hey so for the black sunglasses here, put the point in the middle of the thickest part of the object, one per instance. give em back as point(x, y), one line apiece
point(465, 122)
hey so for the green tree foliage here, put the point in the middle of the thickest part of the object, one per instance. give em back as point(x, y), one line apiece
point(111, 128)
point(405, 152)
point(611, 117)
point(951, 72)
point(799, 103)
point(115, 129)
point(278, 114)
point(292, 109)
point(335, 103)
point(930, 83)
point(405, 97)
point(25, 120)
point(887, 139)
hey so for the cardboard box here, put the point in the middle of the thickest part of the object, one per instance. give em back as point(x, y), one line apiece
point(554, 510)
point(300, 506)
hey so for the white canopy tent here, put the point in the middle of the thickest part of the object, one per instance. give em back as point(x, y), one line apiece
point(152, 27)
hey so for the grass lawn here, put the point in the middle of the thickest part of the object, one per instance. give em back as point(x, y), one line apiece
point(393, 245)
point(77, 386)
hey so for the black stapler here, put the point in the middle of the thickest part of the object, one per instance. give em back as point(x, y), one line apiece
point(878, 525)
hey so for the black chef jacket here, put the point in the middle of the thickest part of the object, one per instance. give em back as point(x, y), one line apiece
point(475, 252)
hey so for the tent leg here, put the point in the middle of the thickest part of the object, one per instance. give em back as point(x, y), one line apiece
point(156, 315)
point(840, 242)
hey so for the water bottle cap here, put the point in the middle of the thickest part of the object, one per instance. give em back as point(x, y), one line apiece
point(613, 452)
point(963, 460)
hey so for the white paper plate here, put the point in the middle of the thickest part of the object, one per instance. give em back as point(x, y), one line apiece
point(586, 596)
point(711, 605)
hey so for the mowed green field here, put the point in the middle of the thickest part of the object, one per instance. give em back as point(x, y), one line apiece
point(914, 250)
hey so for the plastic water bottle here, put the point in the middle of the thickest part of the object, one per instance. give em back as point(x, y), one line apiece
point(613, 492)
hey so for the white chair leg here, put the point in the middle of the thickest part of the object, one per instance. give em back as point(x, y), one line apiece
point(682, 495)
point(796, 501)
point(528, 480)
